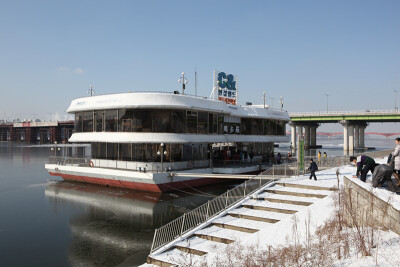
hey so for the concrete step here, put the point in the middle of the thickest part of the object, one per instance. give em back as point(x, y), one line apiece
point(307, 186)
point(256, 207)
point(241, 223)
point(253, 218)
point(191, 250)
point(151, 260)
point(286, 201)
point(291, 193)
point(264, 203)
point(200, 244)
point(173, 257)
point(236, 228)
point(215, 238)
point(220, 232)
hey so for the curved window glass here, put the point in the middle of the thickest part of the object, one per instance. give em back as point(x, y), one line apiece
point(79, 122)
point(98, 120)
point(174, 121)
point(191, 121)
point(88, 121)
point(111, 120)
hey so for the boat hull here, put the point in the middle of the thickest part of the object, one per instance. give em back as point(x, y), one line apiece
point(172, 186)
point(153, 182)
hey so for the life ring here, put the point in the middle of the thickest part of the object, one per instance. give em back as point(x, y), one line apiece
point(91, 164)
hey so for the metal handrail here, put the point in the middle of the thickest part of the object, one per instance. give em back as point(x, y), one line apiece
point(203, 213)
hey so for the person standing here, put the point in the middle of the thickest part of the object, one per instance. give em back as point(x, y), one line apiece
point(319, 157)
point(396, 154)
point(313, 168)
point(364, 165)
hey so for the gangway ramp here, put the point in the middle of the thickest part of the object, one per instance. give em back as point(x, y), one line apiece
point(260, 209)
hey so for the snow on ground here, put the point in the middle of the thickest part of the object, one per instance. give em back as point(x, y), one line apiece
point(312, 216)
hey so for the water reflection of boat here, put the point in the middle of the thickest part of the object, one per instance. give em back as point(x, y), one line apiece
point(116, 223)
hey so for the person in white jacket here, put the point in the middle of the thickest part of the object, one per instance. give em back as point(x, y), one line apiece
point(396, 154)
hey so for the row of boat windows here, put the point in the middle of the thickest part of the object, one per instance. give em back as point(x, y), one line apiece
point(150, 152)
point(173, 121)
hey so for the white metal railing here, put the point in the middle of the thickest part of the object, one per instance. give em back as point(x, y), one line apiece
point(194, 218)
point(353, 112)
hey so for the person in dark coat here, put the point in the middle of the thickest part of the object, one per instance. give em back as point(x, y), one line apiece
point(383, 173)
point(364, 165)
point(313, 168)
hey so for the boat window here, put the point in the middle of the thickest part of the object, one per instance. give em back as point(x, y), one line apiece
point(203, 123)
point(281, 129)
point(99, 150)
point(125, 151)
point(111, 118)
point(245, 126)
point(212, 123)
point(151, 152)
point(138, 152)
point(88, 121)
point(125, 120)
point(191, 121)
point(112, 151)
point(256, 127)
point(187, 152)
point(142, 121)
point(78, 122)
point(176, 152)
point(178, 120)
point(98, 120)
point(161, 121)
point(269, 127)
point(220, 124)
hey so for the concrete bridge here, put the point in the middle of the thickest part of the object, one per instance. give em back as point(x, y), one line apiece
point(354, 124)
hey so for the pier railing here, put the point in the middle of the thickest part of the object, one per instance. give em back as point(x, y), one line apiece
point(194, 218)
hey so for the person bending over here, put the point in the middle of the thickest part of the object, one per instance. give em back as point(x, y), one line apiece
point(383, 173)
point(364, 165)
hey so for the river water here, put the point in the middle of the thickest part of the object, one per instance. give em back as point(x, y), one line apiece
point(45, 221)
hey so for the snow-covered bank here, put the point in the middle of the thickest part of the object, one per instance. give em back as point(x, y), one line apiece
point(295, 228)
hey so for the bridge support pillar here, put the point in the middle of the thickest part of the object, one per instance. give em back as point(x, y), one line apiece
point(351, 138)
point(345, 136)
point(362, 134)
point(306, 137)
point(356, 136)
point(313, 136)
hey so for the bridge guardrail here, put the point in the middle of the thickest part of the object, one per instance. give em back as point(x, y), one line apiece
point(365, 111)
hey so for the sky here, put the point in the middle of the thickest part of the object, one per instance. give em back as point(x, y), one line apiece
point(52, 51)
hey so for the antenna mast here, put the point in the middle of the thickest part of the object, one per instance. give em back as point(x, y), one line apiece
point(91, 91)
